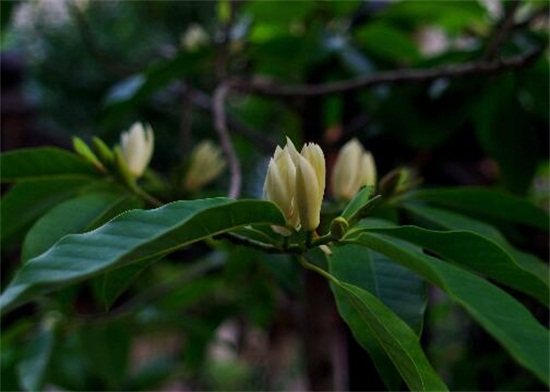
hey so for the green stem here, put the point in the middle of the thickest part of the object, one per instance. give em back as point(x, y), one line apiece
point(316, 269)
point(323, 240)
point(240, 240)
point(145, 196)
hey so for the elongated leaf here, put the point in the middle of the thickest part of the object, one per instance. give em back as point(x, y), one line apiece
point(399, 289)
point(33, 368)
point(122, 204)
point(26, 202)
point(131, 237)
point(487, 203)
point(358, 204)
point(397, 339)
point(500, 314)
point(444, 219)
point(476, 253)
point(108, 287)
point(44, 163)
point(69, 217)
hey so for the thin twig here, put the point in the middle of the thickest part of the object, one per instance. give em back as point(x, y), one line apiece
point(220, 122)
point(483, 67)
point(502, 30)
point(203, 101)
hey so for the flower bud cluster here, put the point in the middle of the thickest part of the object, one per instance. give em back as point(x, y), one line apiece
point(295, 181)
point(354, 168)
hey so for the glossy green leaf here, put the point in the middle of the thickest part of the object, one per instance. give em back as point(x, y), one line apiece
point(359, 204)
point(26, 202)
point(476, 253)
point(71, 216)
point(399, 289)
point(448, 220)
point(394, 336)
point(131, 237)
point(45, 163)
point(486, 203)
point(509, 322)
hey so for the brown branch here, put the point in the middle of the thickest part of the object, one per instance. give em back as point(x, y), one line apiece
point(394, 77)
point(502, 30)
point(203, 101)
point(220, 122)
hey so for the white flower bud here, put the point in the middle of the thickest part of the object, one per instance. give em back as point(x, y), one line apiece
point(280, 185)
point(194, 37)
point(207, 162)
point(137, 148)
point(296, 183)
point(307, 194)
point(354, 168)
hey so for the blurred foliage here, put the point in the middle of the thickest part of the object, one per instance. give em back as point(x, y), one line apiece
point(94, 67)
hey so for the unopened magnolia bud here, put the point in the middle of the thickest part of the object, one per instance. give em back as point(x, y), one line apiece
point(137, 148)
point(296, 183)
point(388, 183)
point(307, 195)
point(207, 162)
point(354, 168)
point(280, 185)
point(338, 228)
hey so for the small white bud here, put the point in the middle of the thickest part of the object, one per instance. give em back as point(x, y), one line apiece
point(207, 162)
point(354, 168)
point(137, 146)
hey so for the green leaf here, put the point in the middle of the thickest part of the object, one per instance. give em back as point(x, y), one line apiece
point(359, 205)
point(400, 290)
point(138, 88)
point(501, 315)
point(271, 12)
point(486, 203)
point(69, 217)
point(26, 202)
point(45, 163)
point(397, 339)
point(108, 287)
point(107, 346)
point(37, 353)
point(474, 252)
point(131, 237)
point(443, 219)
point(507, 134)
point(388, 42)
